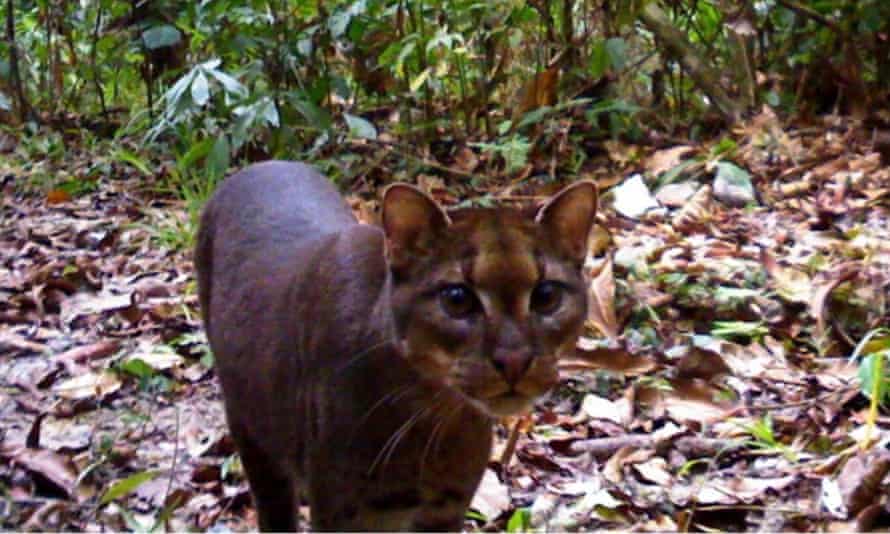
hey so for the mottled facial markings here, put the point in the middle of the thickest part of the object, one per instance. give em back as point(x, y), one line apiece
point(496, 296)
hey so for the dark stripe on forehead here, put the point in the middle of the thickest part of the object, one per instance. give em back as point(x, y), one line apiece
point(466, 267)
point(541, 265)
point(504, 262)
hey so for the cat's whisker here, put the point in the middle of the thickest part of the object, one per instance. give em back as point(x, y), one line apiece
point(393, 396)
point(361, 354)
point(436, 430)
point(393, 442)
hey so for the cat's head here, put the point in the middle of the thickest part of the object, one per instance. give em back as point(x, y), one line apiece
point(486, 300)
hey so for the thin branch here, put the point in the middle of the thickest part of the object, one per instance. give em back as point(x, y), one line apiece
point(809, 13)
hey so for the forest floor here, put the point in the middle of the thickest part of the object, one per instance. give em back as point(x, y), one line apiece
point(739, 323)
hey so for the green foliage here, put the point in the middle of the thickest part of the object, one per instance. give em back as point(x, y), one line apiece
point(126, 486)
point(293, 79)
point(520, 521)
point(874, 369)
point(514, 151)
point(763, 437)
point(149, 379)
point(231, 466)
point(733, 330)
point(874, 376)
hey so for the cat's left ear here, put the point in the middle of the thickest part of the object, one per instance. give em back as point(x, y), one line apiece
point(411, 222)
point(568, 217)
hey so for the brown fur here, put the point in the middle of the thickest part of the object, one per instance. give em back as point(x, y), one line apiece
point(351, 369)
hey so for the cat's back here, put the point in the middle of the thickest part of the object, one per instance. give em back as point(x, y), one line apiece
point(260, 232)
point(277, 200)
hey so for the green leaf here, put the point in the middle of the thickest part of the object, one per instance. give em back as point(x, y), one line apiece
point(599, 60)
point(616, 49)
point(128, 157)
point(231, 85)
point(338, 22)
point(520, 521)
point(360, 127)
point(161, 36)
point(197, 152)
point(218, 159)
point(874, 376)
point(734, 329)
point(419, 79)
point(5, 104)
point(200, 89)
point(725, 146)
point(174, 94)
point(676, 172)
point(317, 116)
point(473, 514)
point(735, 175)
point(127, 486)
point(268, 112)
point(137, 367)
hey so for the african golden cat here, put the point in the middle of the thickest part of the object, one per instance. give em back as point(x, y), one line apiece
point(362, 367)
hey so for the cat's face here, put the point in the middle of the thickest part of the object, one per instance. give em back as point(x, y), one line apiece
point(486, 300)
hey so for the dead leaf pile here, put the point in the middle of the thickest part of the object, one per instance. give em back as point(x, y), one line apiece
point(736, 290)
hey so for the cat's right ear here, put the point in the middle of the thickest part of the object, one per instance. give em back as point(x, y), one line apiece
point(411, 222)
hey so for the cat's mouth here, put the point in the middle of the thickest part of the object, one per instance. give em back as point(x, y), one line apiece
point(510, 403)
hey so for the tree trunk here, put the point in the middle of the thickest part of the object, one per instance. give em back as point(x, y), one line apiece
point(23, 109)
point(685, 53)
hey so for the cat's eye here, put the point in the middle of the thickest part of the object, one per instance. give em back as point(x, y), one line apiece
point(458, 300)
point(546, 297)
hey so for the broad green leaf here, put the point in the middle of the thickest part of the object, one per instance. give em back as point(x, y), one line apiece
point(231, 85)
point(520, 521)
point(725, 146)
point(218, 158)
point(161, 36)
point(599, 60)
point(304, 47)
point(210, 64)
point(735, 175)
point(137, 367)
point(200, 89)
point(268, 112)
point(174, 94)
point(126, 486)
point(874, 376)
point(244, 118)
point(616, 49)
point(360, 127)
point(338, 22)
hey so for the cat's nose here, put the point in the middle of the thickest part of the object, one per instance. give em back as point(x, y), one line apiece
point(512, 364)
